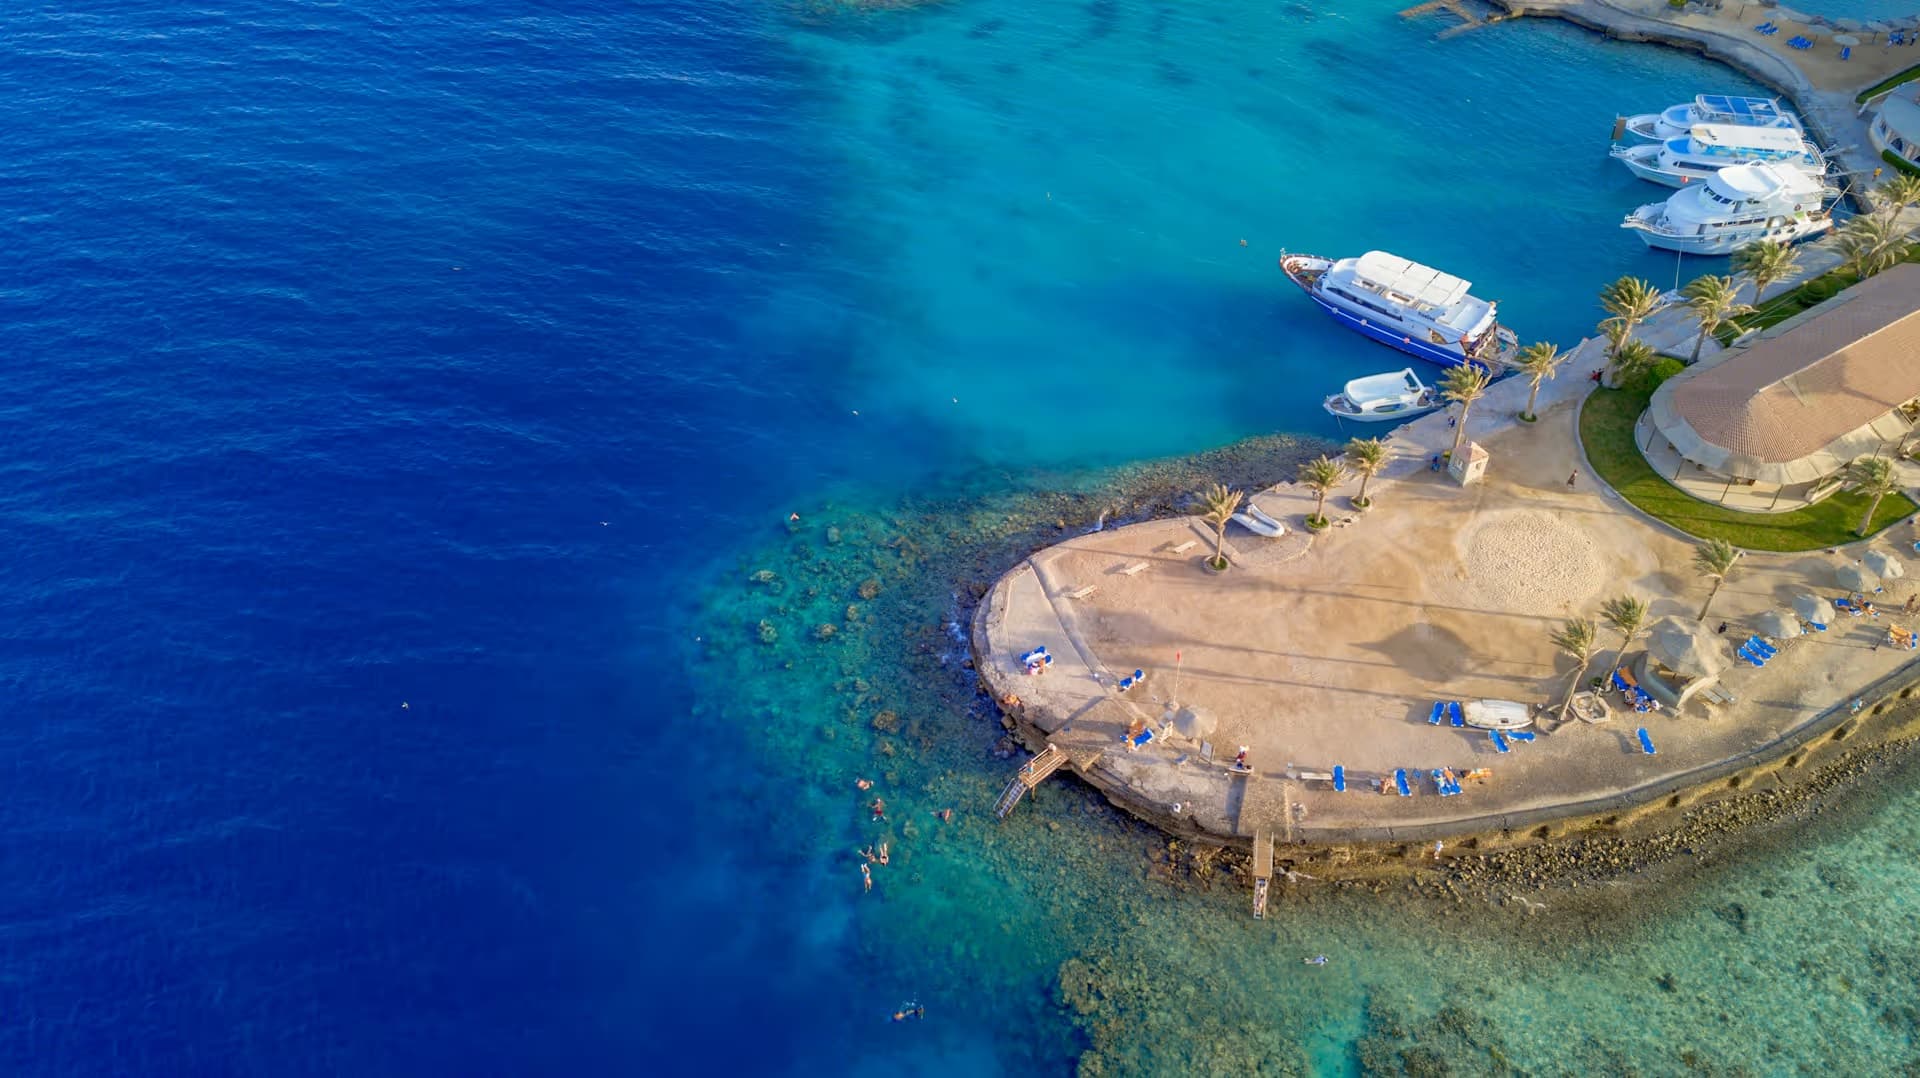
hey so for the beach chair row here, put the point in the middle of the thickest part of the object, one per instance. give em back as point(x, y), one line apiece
point(1756, 651)
point(1641, 700)
point(1446, 711)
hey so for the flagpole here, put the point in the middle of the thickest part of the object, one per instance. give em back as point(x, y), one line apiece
point(1174, 699)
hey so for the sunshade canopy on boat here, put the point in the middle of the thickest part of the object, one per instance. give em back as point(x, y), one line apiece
point(1797, 406)
point(1814, 609)
point(1883, 565)
point(1759, 109)
point(1856, 578)
point(1778, 624)
point(1687, 648)
point(1421, 284)
point(1748, 138)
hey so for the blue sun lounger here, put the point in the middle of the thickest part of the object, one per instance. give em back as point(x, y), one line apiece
point(1142, 738)
point(1767, 28)
point(1400, 780)
point(1522, 735)
point(1499, 741)
point(1646, 743)
point(1453, 711)
point(1846, 53)
point(1751, 655)
point(1339, 779)
point(1766, 650)
point(1621, 683)
point(1817, 626)
point(1439, 709)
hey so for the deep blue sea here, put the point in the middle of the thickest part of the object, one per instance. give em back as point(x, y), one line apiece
point(399, 398)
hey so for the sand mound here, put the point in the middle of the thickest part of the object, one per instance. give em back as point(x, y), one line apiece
point(1527, 559)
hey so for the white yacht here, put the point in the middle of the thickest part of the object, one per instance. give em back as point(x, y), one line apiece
point(1727, 109)
point(1708, 148)
point(1736, 207)
point(1417, 309)
point(1380, 397)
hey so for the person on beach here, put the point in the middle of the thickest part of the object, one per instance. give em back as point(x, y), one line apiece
point(1855, 709)
point(1438, 845)
point(1240, 759)
point(1572, 479)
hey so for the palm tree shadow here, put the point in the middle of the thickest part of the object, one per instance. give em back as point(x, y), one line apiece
point(1427, 651)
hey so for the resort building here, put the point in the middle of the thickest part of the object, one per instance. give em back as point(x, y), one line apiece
point(1771, 426)
point(1896, 126)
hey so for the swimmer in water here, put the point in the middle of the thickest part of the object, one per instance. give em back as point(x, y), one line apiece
point(866, 877)
point(945, 815)
point(864, 784)
point(883, 853)
point(909, 1010)
point(879, 809)
point(1316, 960)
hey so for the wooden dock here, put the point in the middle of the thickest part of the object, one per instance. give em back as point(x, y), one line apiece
point(1031, 774)
point(1262, 871)
point(1468, 20)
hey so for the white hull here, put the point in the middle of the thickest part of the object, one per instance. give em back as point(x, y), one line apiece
point(1727, 241)
point(1339, 407)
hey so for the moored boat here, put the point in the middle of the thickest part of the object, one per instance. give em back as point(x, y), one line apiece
point(1735, 208)
point(1708, 148)
point(1402, 304)
point(1380, 397)
point(1728, 109)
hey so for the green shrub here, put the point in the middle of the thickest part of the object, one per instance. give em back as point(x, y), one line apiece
point(1664, 370)
point(1884, 85)
point(1900, 162)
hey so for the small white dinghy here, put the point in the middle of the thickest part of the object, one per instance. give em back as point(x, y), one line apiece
point(1259, 522)
point(1379, 397)
point(1498, 714)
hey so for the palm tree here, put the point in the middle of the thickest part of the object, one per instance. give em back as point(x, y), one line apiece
point(1898, 193)
point(1766, 264)
point(1633, 360)
point(1627, 614)
point(1872, 477)
point(1218, 503)
point(1870, 244)
point(1366, 456)
point(1715, 301)
point(1463, 385)
point(1575, 638)
point(1321, 476)
point(1630, 301)
point(1714, 559)
point(1538, 362)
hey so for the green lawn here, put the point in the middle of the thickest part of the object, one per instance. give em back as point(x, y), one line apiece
point(1886, 84)
point(1808, 295)
point(1606, 427)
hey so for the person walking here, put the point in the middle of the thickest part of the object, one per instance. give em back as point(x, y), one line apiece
point(1572, 479)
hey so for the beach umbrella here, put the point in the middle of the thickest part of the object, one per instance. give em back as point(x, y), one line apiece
point(1687, 648)
point(1812, 608)
point(1855, 578)
point(1845, 39)
point(1778, 624)
point(1884, 564)
point(1193, 724)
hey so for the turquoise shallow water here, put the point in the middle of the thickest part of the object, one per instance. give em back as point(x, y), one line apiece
point(1043, 207)
point(1030, 266)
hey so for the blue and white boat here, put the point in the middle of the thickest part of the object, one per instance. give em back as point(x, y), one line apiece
point(1727, 109)
point(1708, 148)
point(1405, 305)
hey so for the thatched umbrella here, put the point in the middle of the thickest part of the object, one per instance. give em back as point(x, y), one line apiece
point(1778, 624)
point(1885, 565)
point(1687, 648)
point(1814, 609)
point(1857, 578)
point(1194, 724)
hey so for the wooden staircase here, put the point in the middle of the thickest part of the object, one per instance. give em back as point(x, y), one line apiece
point(1031, 774)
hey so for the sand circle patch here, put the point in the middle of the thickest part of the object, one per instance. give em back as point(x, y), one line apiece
point(1528, 560)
